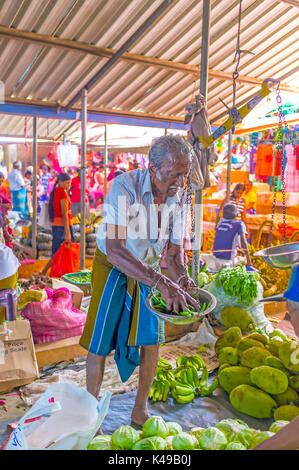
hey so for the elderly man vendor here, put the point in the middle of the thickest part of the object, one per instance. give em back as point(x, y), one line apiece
point(144, 210)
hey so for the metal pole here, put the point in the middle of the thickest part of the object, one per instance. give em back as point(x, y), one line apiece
point(105, 161)
point(83, 177)
point(229, 166)
point(198, 206)
point(34, 190)
point(141, 30)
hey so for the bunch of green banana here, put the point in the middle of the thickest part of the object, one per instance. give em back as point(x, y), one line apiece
point(159, 390)
point(163, 364)
point(165, 375)
point(188, 376)
point(182, 393)
point(190, 361)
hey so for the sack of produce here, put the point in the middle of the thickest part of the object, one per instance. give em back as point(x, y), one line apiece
point(238, 293)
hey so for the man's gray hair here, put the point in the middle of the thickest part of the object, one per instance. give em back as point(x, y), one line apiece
point(17, 165)
point(167, 145)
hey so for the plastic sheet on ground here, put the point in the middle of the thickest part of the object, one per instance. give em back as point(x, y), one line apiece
point(204, 412)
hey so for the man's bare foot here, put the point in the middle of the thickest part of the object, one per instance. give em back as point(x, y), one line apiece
point(139, 415)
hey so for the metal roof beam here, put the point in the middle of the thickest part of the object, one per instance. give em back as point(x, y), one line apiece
point(39, 109)
point(75, 46)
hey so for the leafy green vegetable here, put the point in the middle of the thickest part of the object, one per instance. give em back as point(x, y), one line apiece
point(150, 443)
point(238, 282)
point(155, 426)
point(124, 438)
point(184, 441)
point(212, 439)
point(102, 442)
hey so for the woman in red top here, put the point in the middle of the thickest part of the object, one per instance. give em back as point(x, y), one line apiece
point(60, 212)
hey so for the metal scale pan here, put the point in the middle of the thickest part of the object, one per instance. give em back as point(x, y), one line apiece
point(280, 256)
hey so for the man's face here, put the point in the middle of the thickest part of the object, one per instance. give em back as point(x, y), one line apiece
point(293, 310)
point(172, 175)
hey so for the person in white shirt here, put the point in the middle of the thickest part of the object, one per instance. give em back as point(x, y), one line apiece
point(19, 193)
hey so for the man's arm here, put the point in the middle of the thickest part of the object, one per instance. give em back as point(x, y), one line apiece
point(285, 439)
point(123, 259)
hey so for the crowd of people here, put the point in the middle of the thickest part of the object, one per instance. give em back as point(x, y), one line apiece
point(58, 192)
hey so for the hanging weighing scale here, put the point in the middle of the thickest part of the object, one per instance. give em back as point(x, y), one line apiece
point(282, 256)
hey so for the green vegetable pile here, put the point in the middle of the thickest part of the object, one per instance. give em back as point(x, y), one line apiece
point(187, 381)
point(81, 278)
point(238, 282)
point(157, 434)
point(160, 305)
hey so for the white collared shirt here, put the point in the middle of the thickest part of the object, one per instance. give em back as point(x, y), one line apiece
point(16, 180)
point(130, 203)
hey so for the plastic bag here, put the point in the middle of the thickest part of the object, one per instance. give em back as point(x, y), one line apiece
point(255, 309)
point(66, 260)
point(55, 318)
point(65, 417)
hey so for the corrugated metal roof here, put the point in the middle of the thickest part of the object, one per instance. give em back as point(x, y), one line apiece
point(33, 71)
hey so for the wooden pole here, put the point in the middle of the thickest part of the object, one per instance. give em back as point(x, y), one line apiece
point(198, 206)
point(83, 177)
point(105, 161)
point(34, 190)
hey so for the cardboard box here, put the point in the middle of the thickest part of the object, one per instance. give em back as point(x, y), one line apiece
point(77, 293)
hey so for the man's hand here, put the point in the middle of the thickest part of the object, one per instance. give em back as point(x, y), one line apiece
point(188, 285)
point(174, 296)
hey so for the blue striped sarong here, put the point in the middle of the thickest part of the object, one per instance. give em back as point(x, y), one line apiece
point(118, 318)
point(20, 200)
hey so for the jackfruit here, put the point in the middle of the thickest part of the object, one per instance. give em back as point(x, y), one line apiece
point(274, 361)
point(289, 354)
point(254, 357)
point(294, 382)
point(286, 413)
point(236, 316)
point(263, 338)
point(229, 338)
point(230, 377)
point(270, 380)
point(247, 343)
point(287, 397)
point(252, 401)
point(223, 366)
point(274, 345)
point(229, 355)
point(277, 332)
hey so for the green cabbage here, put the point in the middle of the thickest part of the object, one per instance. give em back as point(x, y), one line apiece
point(236, 430)
point(277, 426)
point(235, 446)
point(174, 428)
point(124, 438)
point(212, 439)
point(150, 443)
point(184, 441)
point(101, 442)
point(155, 426)
point(196, 431)
point(260, 437)
point(168, 441)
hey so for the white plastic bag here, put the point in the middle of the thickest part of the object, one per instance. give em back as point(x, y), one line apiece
point(204, 335)
point(65, 417)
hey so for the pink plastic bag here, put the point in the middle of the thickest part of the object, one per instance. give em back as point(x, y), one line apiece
point(54, 318)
